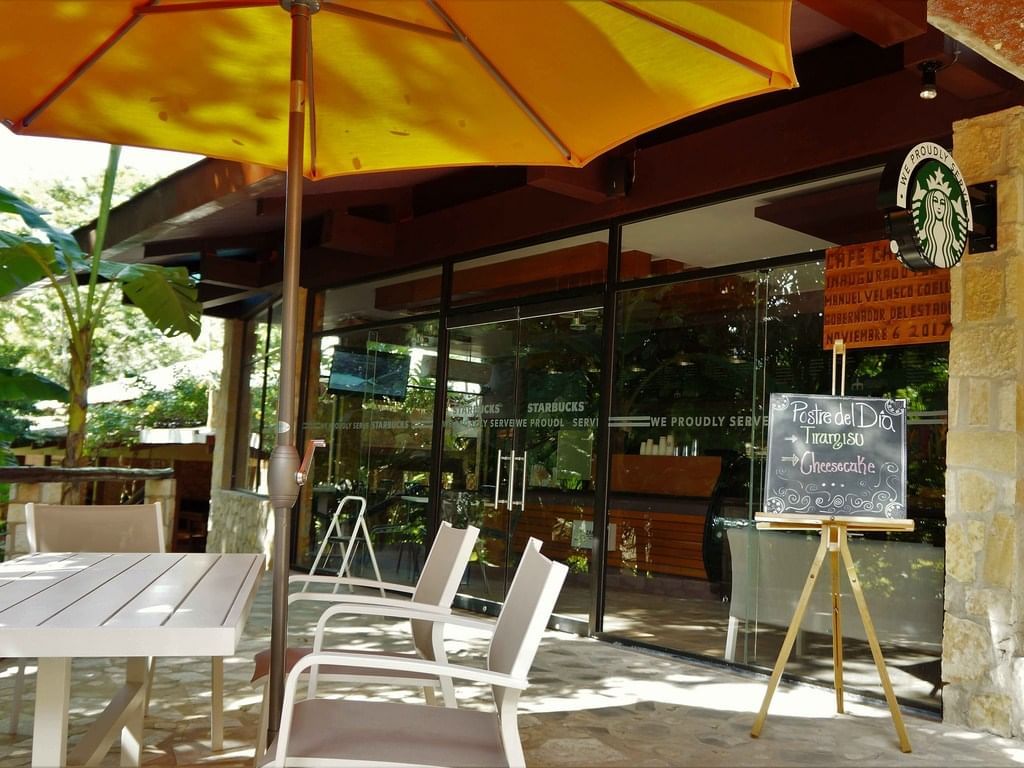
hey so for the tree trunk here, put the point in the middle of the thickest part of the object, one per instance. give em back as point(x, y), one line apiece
point(78, 407)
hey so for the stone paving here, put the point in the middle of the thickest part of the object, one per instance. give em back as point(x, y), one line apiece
point(589, 704)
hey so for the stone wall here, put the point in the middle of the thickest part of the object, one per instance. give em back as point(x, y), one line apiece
point(243, 522)
point(982, 664)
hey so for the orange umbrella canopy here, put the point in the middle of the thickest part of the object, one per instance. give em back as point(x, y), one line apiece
point(393, 83)
point(389, 84)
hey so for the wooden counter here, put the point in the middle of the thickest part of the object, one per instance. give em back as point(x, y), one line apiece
point(667, 475)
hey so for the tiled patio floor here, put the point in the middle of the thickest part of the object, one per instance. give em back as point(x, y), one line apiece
point(590, 704)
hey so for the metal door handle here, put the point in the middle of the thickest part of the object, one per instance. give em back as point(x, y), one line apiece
point(497, 481)
point(522, 497)
point(509, 504)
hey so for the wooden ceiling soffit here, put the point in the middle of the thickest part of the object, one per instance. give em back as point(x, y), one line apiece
point(883, 22)
point(313, 204)
point(194, 193)
point(862, 122)
point(239, 273)
point(843, 215)
point(358, 235)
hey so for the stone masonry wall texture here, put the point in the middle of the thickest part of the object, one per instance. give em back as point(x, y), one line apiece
point(983, 643)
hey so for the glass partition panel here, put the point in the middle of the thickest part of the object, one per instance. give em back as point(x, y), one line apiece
point(519, 439)
point(257, 422)
point(375, 412)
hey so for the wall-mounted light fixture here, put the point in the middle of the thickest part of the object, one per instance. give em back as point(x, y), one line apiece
point(928, 70)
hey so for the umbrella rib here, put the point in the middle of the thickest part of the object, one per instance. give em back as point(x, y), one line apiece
point(493, 71)
point(206, 5)
point(120, 32)
point(311, 102)
point(80, 70)
point(377, 18)
point(698, 40)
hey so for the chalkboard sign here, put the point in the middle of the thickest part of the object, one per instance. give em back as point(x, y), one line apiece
point(836, 456)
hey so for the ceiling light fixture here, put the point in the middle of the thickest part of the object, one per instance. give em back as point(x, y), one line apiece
point(928, 69)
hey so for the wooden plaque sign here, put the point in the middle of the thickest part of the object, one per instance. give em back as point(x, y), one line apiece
point(872, 300)
point(836, 456)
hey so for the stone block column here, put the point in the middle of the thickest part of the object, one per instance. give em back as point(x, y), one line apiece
point(983, 642)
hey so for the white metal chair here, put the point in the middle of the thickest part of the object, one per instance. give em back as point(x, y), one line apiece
point(115, 528)
point(328, 732)
point(95, 528)
point(428, 603)
point(347, 541)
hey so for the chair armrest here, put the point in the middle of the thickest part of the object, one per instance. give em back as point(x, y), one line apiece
point(403, 664)
point(350, 581)
point(393, 610)
point(483, 625)
point(335, 597)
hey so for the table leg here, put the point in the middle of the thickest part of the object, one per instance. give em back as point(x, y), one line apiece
point(137, 672)
point(50, 728)
point(217, 704)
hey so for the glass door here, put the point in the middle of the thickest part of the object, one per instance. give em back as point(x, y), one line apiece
point(520, 436)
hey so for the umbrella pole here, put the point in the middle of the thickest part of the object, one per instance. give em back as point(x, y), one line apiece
point(282, 474)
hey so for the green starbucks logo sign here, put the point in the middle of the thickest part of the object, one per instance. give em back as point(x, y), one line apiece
point(930, 214)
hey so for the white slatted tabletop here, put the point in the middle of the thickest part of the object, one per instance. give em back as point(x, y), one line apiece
point(62, 606)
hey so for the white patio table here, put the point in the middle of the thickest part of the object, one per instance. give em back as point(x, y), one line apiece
point(57, 607)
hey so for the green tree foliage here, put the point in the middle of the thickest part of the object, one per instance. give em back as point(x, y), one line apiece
point(113, 425)
point(87, 286)
point(69, 204)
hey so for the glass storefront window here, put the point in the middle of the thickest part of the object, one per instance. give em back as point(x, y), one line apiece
point(257, 421)
point(375, 411)
point(575, 262)
point(696, 362)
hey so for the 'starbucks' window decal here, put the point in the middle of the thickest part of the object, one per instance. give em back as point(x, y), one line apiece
point(929, 210)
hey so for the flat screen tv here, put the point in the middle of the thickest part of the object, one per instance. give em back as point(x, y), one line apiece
point(379, 374)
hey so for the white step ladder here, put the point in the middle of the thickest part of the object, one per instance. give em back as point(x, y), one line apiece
point(348, 542)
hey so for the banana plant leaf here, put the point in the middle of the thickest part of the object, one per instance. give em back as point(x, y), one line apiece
point(167, 296)
point(33, 218)
point(18, 385)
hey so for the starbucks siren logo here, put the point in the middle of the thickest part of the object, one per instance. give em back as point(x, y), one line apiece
point(929, 222)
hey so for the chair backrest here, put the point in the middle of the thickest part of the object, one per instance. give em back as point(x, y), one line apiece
point(440, 578)
point(528, 605)
point(95, 528)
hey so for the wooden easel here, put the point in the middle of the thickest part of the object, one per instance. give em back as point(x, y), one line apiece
point(834, 542)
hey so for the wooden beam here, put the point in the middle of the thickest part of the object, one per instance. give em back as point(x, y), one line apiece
point(589, 183)
point(80, 474)
point(262, 241)
point(239, 273)
point(883, 22)
point(355, 234)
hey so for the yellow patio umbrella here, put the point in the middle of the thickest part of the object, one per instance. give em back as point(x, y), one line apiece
point(328, 87)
